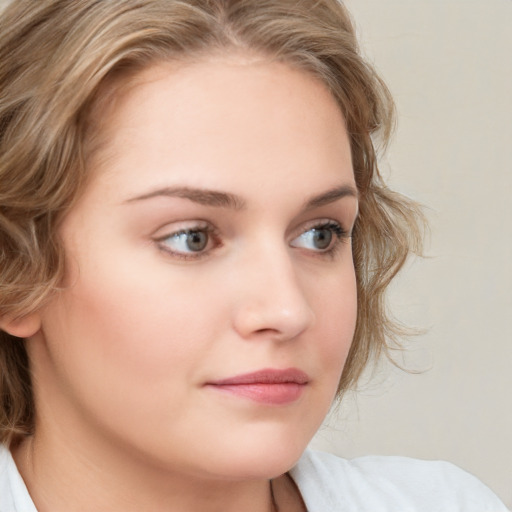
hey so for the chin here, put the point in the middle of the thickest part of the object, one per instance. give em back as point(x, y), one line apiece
point(267, 455)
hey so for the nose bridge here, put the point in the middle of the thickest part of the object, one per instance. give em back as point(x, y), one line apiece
point(270, 298)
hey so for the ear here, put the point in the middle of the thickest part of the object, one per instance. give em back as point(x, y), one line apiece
point(23, 327)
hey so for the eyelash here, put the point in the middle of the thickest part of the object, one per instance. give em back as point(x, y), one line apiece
point(340, 235)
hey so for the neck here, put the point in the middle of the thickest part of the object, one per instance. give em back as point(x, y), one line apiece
point(58, 478)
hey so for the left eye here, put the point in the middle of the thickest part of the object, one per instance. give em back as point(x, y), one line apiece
point(319, 238)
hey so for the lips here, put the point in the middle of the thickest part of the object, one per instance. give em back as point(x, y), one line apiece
point(267, 386)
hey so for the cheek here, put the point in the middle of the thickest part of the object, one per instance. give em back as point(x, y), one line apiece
point(336, 314)
point(133, 324)
point(127, 353)
point(123, 329)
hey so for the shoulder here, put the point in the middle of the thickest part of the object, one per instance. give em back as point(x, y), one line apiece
point(14, 496)
point(6, 502)
point(329, 483)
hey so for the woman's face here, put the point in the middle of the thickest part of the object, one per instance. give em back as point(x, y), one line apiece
point(210, 296)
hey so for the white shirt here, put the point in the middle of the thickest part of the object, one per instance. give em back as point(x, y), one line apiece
point(389, 484)
point(330, 484)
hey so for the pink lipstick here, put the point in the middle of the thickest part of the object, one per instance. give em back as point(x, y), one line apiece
point(267, 386)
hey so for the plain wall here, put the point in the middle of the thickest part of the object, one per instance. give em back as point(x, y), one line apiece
point(448, 64)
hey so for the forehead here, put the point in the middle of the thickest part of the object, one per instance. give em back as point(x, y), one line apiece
point(198, 120)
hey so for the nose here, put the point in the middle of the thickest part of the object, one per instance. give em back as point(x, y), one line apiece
point(269, 301)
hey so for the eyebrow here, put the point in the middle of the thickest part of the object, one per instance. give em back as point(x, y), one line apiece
point(330, 196)
point(227, 200)
point(197, 195)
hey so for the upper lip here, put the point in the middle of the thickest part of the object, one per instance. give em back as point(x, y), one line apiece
point(266, 376)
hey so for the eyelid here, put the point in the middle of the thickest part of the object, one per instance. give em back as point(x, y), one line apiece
point(322, 223)
point(170, 228)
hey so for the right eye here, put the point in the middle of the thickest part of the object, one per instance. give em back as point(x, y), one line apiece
point(189, 243)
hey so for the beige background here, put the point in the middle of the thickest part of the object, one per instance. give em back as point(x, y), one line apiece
point(449, 65)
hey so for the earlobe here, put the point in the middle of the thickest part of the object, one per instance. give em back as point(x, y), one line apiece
point(23, 327)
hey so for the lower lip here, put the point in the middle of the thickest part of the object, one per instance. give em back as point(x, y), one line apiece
point(272, 394)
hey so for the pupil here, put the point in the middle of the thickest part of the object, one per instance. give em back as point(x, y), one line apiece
point(322, 238)
point(196, 240)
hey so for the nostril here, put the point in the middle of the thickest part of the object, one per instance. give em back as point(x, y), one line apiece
point(267, 332)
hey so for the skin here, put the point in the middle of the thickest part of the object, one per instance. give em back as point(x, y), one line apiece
point(122, 355)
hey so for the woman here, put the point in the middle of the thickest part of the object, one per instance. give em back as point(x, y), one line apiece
point(195, 246)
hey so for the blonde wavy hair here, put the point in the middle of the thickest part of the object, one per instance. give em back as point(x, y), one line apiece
point(56, 57)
